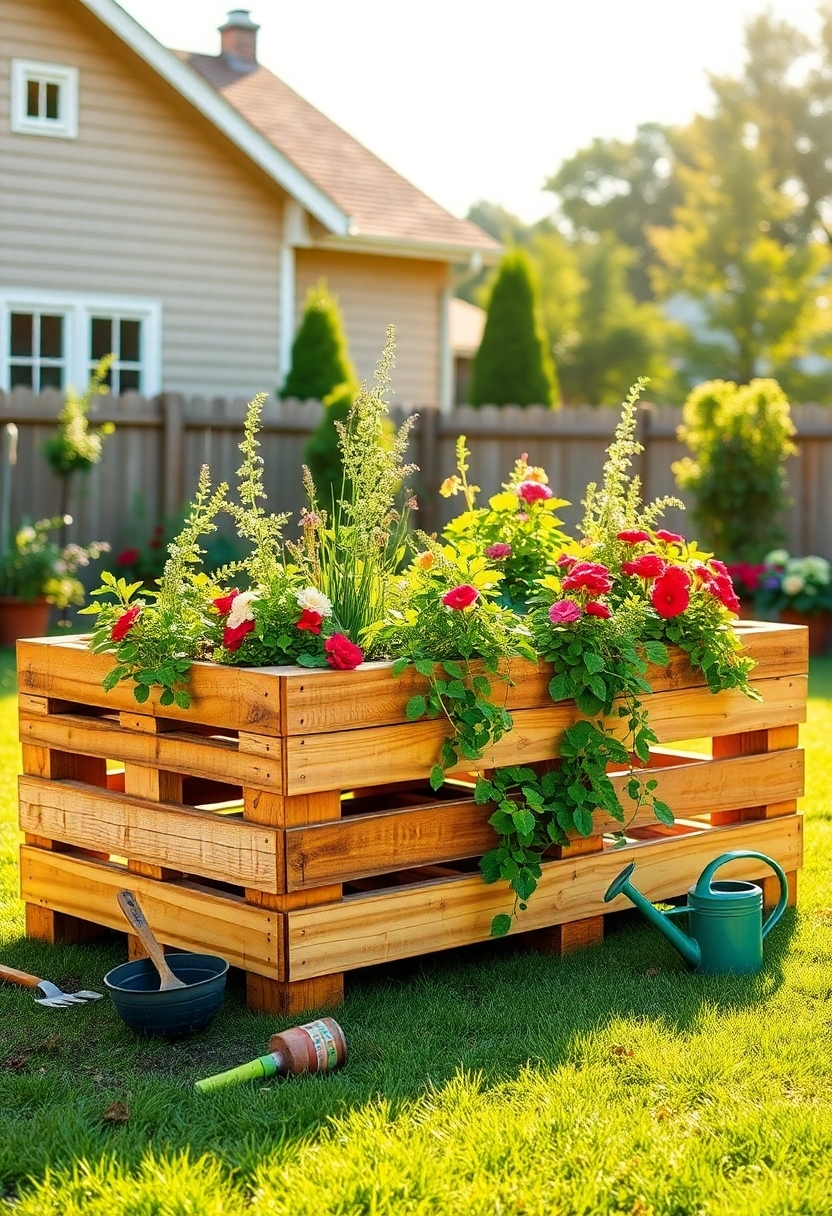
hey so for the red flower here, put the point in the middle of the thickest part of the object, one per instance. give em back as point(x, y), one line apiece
point(309, 621)
point(127, 557)
point(649, 565)
point(460, 597)
point(232, 639)
point(533, 491)
point(746, 574)
point(588, 576)
point(498, 551)
point(633, 536)
point(671, 592)
point(595, 608)
point(125, 623)
point(223, 602)
point(565, 612)
point(720, 585)
point(566, 561)
point(670, 538)
point(342, 654)
point(720, 567)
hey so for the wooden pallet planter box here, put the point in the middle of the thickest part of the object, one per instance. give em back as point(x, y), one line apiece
point(285, 820)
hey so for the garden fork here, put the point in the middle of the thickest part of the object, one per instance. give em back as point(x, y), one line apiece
point(51, 995)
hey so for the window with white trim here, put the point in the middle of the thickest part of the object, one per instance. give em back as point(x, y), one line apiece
point(53, 340)
point(44, 99)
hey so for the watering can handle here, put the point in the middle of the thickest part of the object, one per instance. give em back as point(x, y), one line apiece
point(704, 881)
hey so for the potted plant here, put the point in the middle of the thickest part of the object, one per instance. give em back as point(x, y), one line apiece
point(798, 591)
point(37, 573)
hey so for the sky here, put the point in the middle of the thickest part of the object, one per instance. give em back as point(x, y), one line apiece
point(485, 100)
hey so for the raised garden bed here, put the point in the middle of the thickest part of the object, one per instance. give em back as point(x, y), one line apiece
point(285, 820)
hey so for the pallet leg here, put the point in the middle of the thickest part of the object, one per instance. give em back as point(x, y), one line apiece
point(563, 939)
point(46, 926)
point(289, 998)
point(280, 994)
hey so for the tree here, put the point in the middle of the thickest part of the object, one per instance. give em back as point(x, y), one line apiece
point(757, 292)
point(322, 371)
point(622, 188)
point(513, 365)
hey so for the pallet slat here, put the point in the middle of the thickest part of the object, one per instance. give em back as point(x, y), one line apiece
point(377, 843)
point(182, 915)
point(374, 928)
point(183, 838)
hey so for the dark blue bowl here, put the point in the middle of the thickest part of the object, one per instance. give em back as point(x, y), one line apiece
point(134, 990)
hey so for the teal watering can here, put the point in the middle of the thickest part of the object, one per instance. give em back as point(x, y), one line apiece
point(725, 918)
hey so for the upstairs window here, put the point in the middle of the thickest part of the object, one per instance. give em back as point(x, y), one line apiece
point(37, 356)
point(44, 99)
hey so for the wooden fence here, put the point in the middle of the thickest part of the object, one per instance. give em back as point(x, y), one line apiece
point(151, 463)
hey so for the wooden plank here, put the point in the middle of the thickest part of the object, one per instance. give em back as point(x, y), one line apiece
point(234, 697)
point(408, 752)
point(194, 841)
point(317, 700)
point(176, 751)
point(373, 928)
point(297, 700)
point(383, 841)
point(182, 914)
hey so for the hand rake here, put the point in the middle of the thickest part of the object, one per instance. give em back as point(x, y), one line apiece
point(51, 995)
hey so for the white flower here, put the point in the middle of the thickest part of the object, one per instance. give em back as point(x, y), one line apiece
point(818, 569)
point(792, 584)
point(777, 557)
point(25, 536)
point(241, 609)
point(315, 601)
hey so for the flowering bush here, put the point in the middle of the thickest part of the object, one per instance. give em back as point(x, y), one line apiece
point(502, 582)
point(801, 583)
point(35, 567)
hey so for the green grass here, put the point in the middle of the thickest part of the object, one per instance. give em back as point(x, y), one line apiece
point(490, 1080)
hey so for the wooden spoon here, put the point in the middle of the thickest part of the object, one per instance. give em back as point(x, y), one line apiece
point(130, 907)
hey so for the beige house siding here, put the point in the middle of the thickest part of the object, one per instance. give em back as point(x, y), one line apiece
point(146, 202)
point(374, 292)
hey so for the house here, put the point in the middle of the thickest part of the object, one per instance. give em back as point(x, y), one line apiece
point(175, 208)
point(466, 323)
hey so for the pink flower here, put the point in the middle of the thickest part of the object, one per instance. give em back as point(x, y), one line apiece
point(565, 612)
point(234, 635)
point(522, 517)
point(649, 565)
point(223, 602)
point(721, 586)
point(633, 536)
point(671, 592)
point(498, 551)
point(125, 623)
point(309, 622)
point(533, 491)
point(670, 538)
point(596, 608)
point(566, 561)
point(343, 654)
point(588, 576)
point(460, 597)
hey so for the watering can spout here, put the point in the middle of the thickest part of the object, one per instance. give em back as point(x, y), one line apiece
point(687, 947)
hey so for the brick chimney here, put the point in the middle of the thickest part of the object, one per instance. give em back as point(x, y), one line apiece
point(238, 41)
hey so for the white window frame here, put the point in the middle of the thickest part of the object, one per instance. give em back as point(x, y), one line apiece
point(65, 126)
point(78, 309)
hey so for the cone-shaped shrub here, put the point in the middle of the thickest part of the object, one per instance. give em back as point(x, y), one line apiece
point(512, 365)
point(322, 369)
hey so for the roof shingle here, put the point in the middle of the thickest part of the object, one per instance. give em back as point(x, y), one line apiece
point(382, 205)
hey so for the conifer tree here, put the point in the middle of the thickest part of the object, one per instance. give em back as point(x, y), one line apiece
point(513, 365)
point(323, 371)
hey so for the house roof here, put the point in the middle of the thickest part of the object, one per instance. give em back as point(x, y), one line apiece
point(359, 200)
point(382, 205)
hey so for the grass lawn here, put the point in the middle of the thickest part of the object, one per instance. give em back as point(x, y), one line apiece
point(490, 1080)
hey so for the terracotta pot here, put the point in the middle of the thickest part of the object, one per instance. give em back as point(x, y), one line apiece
point(819, 625)
point(19, 619)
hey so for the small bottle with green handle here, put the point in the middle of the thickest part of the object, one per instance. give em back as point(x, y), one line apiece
point(318, 1046)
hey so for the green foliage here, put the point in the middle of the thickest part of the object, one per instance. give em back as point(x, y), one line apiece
point(512, 365)
point(323, 371)
point(74, 448)
point(35, 567)
point(803, 584)
point(173, 628)
point(740, 437)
